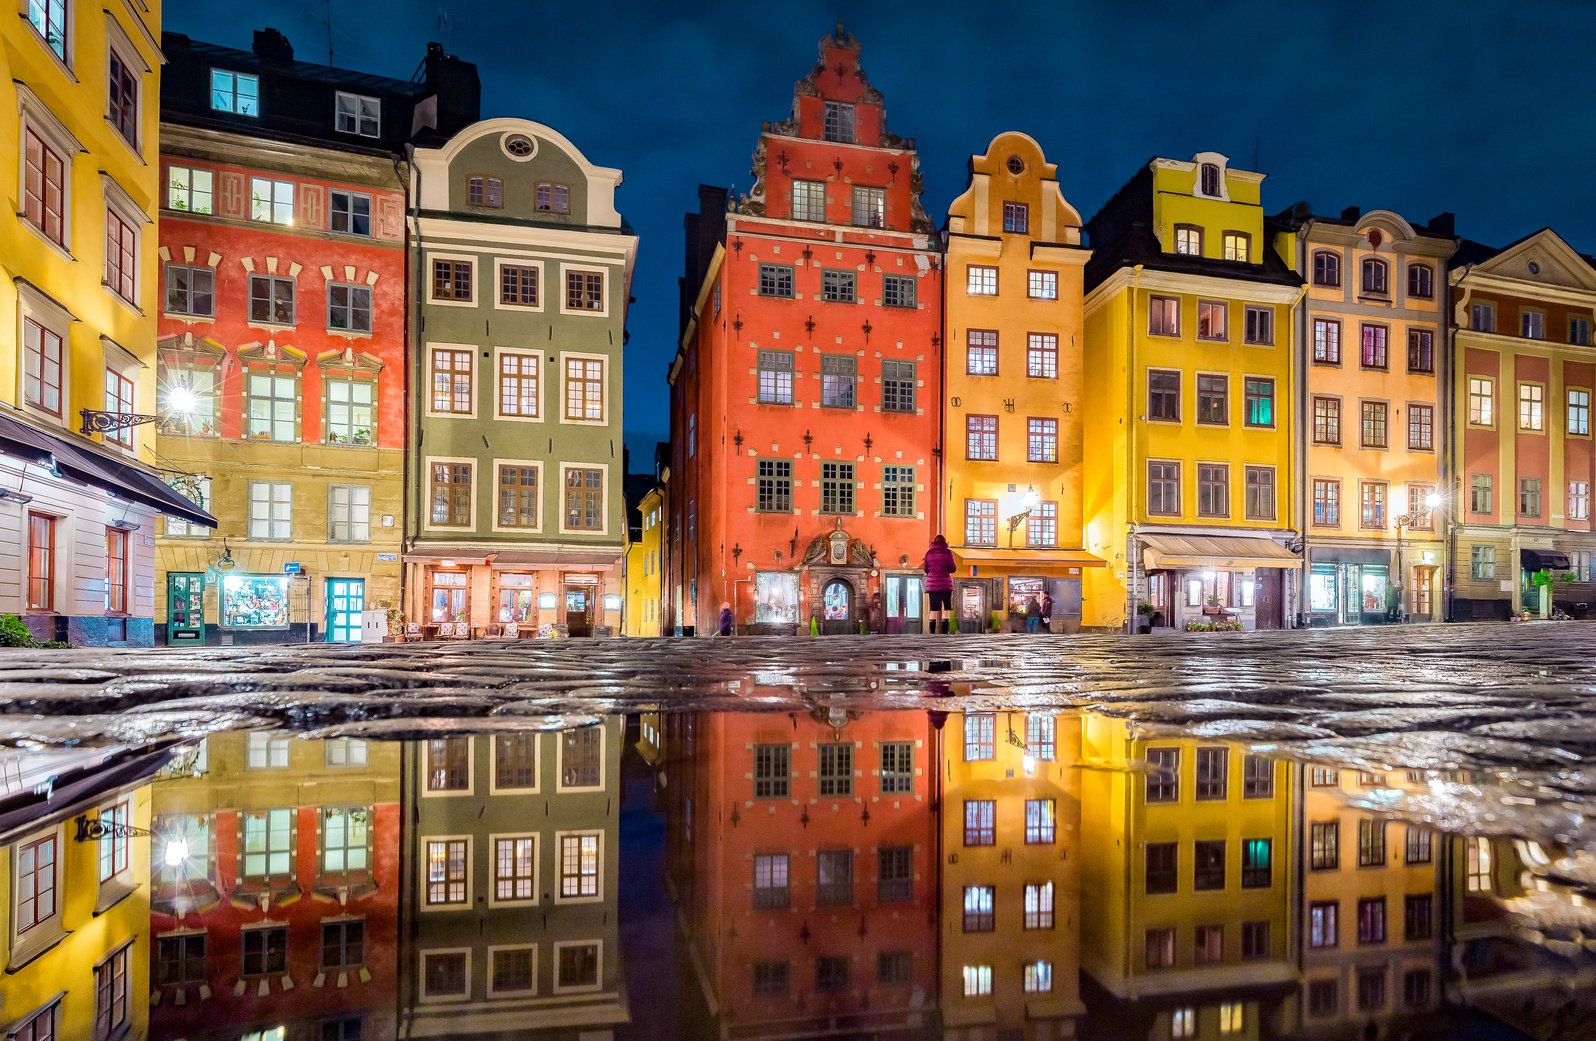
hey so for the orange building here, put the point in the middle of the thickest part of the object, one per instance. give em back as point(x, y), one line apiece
point(805, 393)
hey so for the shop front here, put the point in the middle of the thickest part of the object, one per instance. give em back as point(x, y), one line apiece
point(511, 596)
point(1196, 581)
point(1002, 590)
point(1539, 573)
point(837, 588)
point(1367, 586)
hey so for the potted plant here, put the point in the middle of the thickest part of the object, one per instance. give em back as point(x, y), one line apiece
point(1144, 616)
point(396, 626)
point(1211, 605)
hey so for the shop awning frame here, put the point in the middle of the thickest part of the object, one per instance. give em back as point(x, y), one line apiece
point(1164, 552)
point(1544, 560)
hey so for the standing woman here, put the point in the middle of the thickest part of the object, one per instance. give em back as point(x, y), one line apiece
point(939, 567)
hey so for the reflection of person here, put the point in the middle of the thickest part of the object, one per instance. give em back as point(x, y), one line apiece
point(939, 566)
point(724, 628)
point(1047, 612)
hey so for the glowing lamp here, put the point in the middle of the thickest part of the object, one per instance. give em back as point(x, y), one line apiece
point(176, 853)
point(182, 401)
point(1029, 763)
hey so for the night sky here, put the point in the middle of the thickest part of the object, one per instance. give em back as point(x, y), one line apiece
point(1475, 106)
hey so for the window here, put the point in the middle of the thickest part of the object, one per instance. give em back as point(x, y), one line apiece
point(1529, 496)
point(190, 291)
point(349, 308)
point(41, 562)
point(1257, 859)
point(1213, 321)
point(349, 513)
point(1482, 401)
point(1374, 433)
point(1038, 977)
point(449, 764)
point(44, 187)
point(1322, 923)
point(833, 877)
point(838, 287)
point(447, 872)
point(1163, 488)
point(775, 377)
point(980, 437)
point(1260, 325)
point(1042, 285)
point(899, 291)
point(1260, 493)
point(1039, 905)
point(518, 384)
point(271, 510)
point(267, 751)
point(548, 197)
point(897, 491)
point(1163, 867)
point(49, 20)
point(1163, 774)
point(1041, 356)
point(839, 378)
point(121, 256)
point(584, 390)
point(1418, 916)
point(584, 291)
point(1371, 920)
point(775, 280)
point(1418, 845)
point(979, 728)
point(1479, 870)
point(1421, 428)
point(271, 300)
point(897, 767)
point(451, 494)
point(1213, 768)
point(343, 944)
point(1209, 948)
point(1213, 399)
point(235, 92)
point(581, 763)
point(115, 842)
point(1579, 412)
point(1371, 843)
point(1259, 401)
point(356, 114)
point(1326, 502)
point(836, 769)
point(980, 827)
point(122, 98)
point(1188, 240)
point(445, 973)
point(268, 845)
point(977, 981)
point(579, 865)
point(1579, 331)
point(1326, 341)
point(1530, 413)
point(869, 207)
point(1533, 324)
point(980, 522)
point(1208, 864)
point(482, 190)
point(1160, 947)
point(1254, 941)
point(1372, 494)
point(1209, 179)
point(772, 771)
point(1578, 500)
point(897, 386)
point(978, 915)
point(773, 486)
point(119, 401)
point(1323, 998)
point(770, 880)
point(1421, 350)
point(1416, 988)
point(517, 496)
point(1183, 1022)
point(981, 280)
point(350, 214)
point(1376, 276)
point(1163, 395)
point(771, 977)
point(1482, 562)
point(510, 971)
point(809, 200)
point(452, 280)
point(180, 960)
point(1375, 349)
point(895, 874)
point(980, 352)
point(1325, 777)
point(271, 202)
point(836, 488)
point(1213, 490)
point(1163, 316)
point(1041, 440)
point(1238, 247)
point(1232, 1019)
point(1040, 828)
point(839, 122)
point(1421, 281)
point(1326, 268)
point(1482, 317)
point(1016, 218)
point(265, 951)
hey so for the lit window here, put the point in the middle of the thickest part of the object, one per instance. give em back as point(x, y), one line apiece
point(49, 20)
point(977, 981)
point(235, 92)
point(579, 866)
point(981, 280)
point(271, 202)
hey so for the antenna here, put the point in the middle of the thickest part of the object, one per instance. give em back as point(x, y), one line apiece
point(329, 34)
point(445, 25)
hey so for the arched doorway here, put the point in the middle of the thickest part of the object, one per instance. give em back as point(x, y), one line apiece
point(837, 606)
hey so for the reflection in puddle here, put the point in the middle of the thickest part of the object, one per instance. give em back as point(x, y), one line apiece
point(837, 873)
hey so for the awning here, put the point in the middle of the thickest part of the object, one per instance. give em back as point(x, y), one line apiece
point(1213, 552)
point(1027, 556)
point(438, 556)
point(1543, 560)
point(592, 560)
point(88, 465)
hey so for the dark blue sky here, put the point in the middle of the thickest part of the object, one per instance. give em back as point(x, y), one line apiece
point(1476, 106)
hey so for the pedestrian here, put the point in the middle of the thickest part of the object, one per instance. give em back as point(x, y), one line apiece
point(939, 566)
point(1033, 615)
point(725, 626)
point(1047, 612)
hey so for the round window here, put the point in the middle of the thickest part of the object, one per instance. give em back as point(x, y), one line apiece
point(519, 147)
point(1534, 268)
point(1016, 165)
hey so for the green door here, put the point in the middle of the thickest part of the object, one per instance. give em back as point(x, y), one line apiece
point(346, 599)
point(185, 607)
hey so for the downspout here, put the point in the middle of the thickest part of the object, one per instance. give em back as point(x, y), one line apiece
point(410, 509)
point(409, 355)
point(1132, 555)
point(940, 449)
point(1454, 485)
point(1303, 431)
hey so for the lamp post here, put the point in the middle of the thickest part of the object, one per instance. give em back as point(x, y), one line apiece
point(1030, 502)
point(180, 404)
point(1432, 502)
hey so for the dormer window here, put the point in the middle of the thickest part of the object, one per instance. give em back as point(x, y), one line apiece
point(235, 92)
point(359, 115)
point(1210, 180)
point(482, 190)
point(1326, 269)
point(1376, 276)
point(1016, 218)
point(840, 123)
point(1238, 247)
point(553, 198)
point(1188, 240)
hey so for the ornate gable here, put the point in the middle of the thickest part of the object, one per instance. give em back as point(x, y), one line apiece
point(1542, 259)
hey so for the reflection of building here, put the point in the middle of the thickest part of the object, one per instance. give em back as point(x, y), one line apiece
point(283, 318)
point(805, 394)
point(1522, 429)
point(522, 272)
point(76, 925)
point(275, 899)
point(511, 909)
point(1371, 917)
point(1187, 849)
point(801, 853)
point(1011, 875)
point(1374, 357)
point(1188, 323)
point(644, 518)
point(1014, 380)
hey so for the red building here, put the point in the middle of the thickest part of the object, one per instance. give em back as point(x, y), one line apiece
point(805, 396)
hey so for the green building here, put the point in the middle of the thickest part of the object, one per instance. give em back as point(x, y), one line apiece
point(521, 273)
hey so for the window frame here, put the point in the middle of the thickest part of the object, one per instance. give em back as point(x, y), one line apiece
point(359, 116)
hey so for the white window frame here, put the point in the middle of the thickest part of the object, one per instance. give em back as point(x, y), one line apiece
point(598, 975)
point(592, 269)
point(272, 185)
point(349, 507)
point(476, 389)
point(559, 876)
point(36, 116)
point(604, 388)
point(537, 863)
point(118, 201)
point(604, 737)
point(49, 315)
point(494, 949)
point(421, 974)
point(119, 43)
point(499, 264)
point(976, 279)
point(476, 477)
point(271, 500)
point(267, 744)
point(359, 115)
point(542, 378)
point(543, 510)
point(470, 873)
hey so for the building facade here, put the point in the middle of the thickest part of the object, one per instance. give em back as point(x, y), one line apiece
point(522, 270)
point(1190, 377)
point(79, 492)
point(805, 394)
point(1013, 391)
point(283, 320)
point(1523, 379)
point(643, 550)
point(1371, 418)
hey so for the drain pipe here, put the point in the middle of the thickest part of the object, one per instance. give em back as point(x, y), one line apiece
point(1132, 485)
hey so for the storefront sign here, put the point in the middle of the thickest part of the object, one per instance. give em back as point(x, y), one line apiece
point(255, 602)
point(387, 558)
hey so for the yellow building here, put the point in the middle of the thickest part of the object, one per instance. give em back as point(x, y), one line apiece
point(1187, 855)
point(1014, 391)
point(75, 923)
point(80, 90)
point(1371, 349)
point(1189, 386)
point(1011, 879)
point(643, 582)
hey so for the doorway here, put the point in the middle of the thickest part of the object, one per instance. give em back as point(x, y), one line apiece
point(837, 607)
point(185, 607)
point(905, 604)
point(346, 601)
point(579, 597)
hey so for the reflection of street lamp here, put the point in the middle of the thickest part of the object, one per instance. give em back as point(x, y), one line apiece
point(1030, 503)
point(176, 853)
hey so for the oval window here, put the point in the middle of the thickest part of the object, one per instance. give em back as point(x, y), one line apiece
point(519, 146)
point(1016, 165)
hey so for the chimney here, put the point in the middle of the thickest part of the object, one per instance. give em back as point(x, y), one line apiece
point(457, 88)
point(1444, 224)
point(272, 46)
point(1351, 213)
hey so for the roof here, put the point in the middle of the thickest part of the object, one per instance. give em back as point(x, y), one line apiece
point(248, 61)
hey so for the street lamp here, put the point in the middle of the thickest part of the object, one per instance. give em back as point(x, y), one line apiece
point(1030, 502)
point(181, 402)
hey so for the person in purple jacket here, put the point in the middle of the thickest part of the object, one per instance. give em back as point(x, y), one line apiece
point(939, 567)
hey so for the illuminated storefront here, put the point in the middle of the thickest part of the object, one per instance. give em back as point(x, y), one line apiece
point(255, 602)
point(776, 598)
point(1350, 587)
